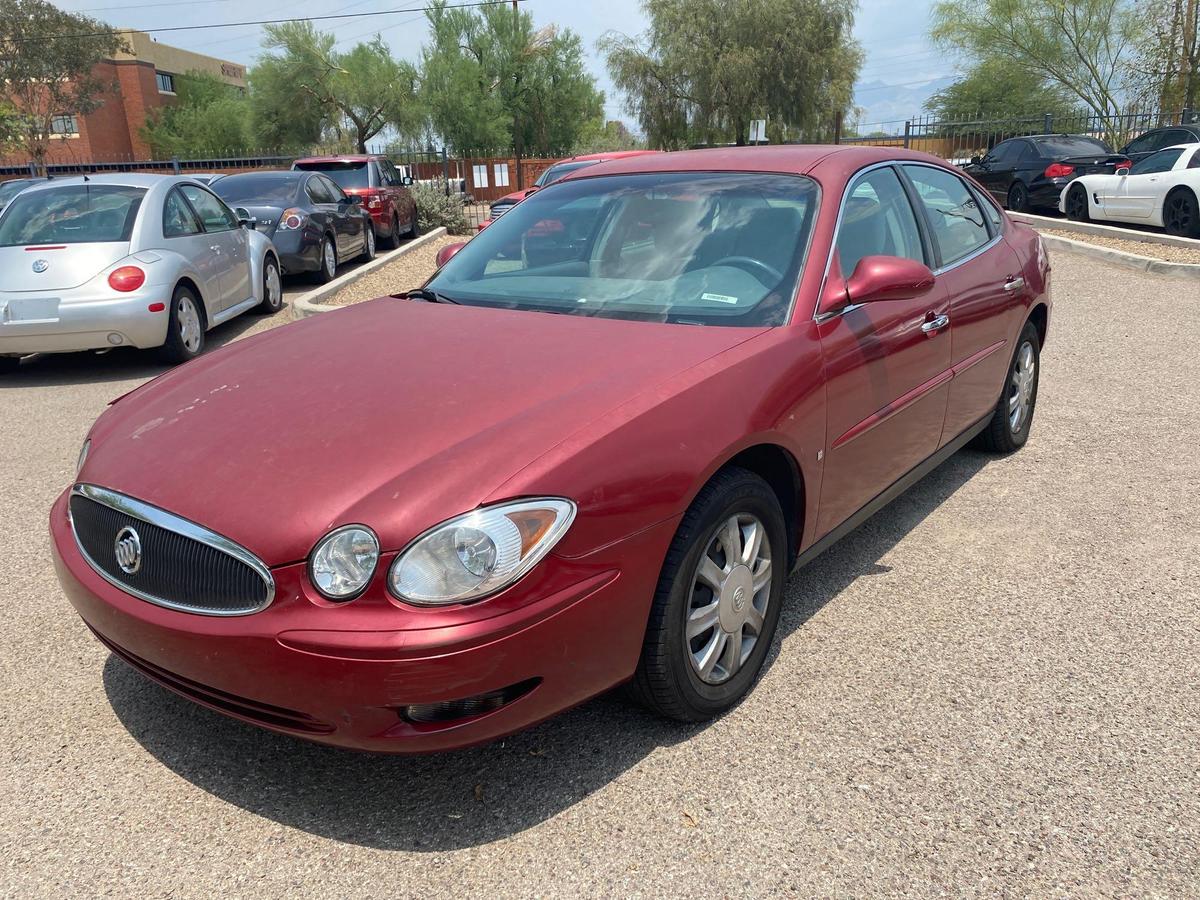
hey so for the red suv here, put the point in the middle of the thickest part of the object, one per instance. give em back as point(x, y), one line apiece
point(383, 187)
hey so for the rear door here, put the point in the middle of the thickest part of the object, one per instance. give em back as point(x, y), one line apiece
point(982, 276)
point(887, 364)
point(346, 218)
point(228, 241)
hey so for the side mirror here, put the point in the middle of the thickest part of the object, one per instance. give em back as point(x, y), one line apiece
point(878, 278)
point(1123, 171)
point(976, 159)
point(406, 181)
point(447, 253)
point(244, 218)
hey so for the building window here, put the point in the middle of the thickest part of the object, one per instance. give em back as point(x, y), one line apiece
point(480, 174)
point(500, 170)
point(166, 82)
point(64, 126)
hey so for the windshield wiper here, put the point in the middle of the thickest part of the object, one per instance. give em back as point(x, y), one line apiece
point(430, 296)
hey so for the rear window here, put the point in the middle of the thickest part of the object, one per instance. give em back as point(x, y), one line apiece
point(242, 188)
point(71, 214)
point(349, 174)
point(1071, 146)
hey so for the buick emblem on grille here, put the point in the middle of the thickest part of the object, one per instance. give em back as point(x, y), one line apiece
point(128, 547)
point(40, 265)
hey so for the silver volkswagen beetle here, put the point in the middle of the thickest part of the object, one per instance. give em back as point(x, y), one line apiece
point(104, 261)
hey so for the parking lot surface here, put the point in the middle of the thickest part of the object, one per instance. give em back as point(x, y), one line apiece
point(990, 688)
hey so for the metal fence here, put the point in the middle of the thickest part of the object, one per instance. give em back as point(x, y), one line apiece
point(962, 139)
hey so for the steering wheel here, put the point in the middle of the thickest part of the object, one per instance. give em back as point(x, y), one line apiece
point(755, 267)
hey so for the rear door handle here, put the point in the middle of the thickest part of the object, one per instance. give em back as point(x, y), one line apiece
point(1014, 284)
point(936, 324)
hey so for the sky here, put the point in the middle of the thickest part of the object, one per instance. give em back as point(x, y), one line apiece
point(900, 71)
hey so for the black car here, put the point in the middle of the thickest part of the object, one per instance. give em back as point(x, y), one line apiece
point(1030, 172)
point(1157, 138)
point(314, 224)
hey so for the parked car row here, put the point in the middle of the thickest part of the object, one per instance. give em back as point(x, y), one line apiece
point(133, 260)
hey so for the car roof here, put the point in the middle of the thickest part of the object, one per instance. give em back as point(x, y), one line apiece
point(343, 157)
point(614, 154)
point(124, 179)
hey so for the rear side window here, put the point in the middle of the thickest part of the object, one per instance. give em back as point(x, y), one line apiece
point(1194, 162)
point(318, 191)
point(71, 214)
point(349, 174)
point(958, 223)
point(877, 220)
point(178, 218)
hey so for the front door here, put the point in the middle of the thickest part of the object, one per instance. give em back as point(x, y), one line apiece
point(184, 234)
point(227, 242)
point(887, 364)
point(1138, 194)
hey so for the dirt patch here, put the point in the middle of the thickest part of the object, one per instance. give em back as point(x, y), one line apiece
point(1139, 248)
point(405, 272)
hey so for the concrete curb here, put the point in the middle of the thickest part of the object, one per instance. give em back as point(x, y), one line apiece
point(310, 304)
point(1112, 231)
point(1121, 258)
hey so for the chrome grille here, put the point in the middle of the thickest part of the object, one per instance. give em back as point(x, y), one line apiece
point(167, 560)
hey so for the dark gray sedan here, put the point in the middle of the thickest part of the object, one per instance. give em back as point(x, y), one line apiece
point(313, 223)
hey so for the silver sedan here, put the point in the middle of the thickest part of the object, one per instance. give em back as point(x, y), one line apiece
point(108, 261)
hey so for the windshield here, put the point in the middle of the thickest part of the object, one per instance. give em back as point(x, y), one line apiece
point(71, 214)
point(278, 188)
point(558, 170)
point(688, 247)
point(351, 174)
point(1071, 146)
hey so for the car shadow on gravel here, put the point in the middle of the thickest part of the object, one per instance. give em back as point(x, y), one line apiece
point(471, 797)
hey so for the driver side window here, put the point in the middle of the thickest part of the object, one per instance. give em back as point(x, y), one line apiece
point(877, 220)
point(215, 215)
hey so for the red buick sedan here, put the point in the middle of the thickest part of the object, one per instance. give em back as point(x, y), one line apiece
point(588, 452)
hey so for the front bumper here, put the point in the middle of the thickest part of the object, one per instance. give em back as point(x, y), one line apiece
point(89, 321)
point(344, 674)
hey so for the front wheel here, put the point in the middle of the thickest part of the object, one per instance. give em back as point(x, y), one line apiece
point(1181, 217)
point(272, 300)
point(1018, 198)
point(717, 603)
point(1077, 203)
point(1009, 427)
point(185, 328)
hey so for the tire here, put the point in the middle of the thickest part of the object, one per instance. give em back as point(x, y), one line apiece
point(1018, 198)
point(1004, 433)
point(326, 262)
point(185, 327)
point(1077, 204)
point(272, 301)
point(392, 241)
point(414, 230)
point(668, 680)
point(368, 253)
point(1181, 215)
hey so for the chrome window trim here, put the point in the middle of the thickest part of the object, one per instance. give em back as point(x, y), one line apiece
point(152, 515)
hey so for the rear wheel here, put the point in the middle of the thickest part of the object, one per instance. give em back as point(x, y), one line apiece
point(327, 270)
point(185, 327)
point(1077, 203)
point(368, 253)
point(1018, 198)
point(717, 603)
point(1009, 427)
point(1180, 214)
point(414, 230)
point(392, 241)
point(272, 300)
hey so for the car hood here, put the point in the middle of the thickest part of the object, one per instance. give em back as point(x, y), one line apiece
point(393, 413)
point(514, 197)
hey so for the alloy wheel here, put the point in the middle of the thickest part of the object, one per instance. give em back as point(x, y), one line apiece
point(328, 258)
point(370, 241)
point(190, 333)
point(274, 287)
point(1076, 204)
point(731, 590)
point(1020, 389)
point(1179, 214)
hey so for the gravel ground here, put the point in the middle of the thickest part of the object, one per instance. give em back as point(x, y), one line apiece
point(1139, 248)
point(989, 689)
point(408, 271)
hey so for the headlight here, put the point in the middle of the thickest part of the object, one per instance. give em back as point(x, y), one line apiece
point(83, 452)
point(479, 553)
point(343, 562)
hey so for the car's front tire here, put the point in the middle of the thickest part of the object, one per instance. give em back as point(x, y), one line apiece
point(717, 603)
point(185, 327)
point(272, 300)
point(1181, 214)
point(1009, 427)
point(1077, 204)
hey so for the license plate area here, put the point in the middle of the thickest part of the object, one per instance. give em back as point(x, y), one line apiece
point(29, 310)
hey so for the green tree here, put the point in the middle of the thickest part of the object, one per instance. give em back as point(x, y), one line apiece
point(1166, 71)
point(999, 87)
point(492, 81)
point(282, 118)
point(600, 136)
point(208, 118)
point(360, 92)
point(46, 62)
point(706, 68)
point(1083, 46)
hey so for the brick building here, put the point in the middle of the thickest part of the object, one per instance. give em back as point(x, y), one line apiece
point(142, 78)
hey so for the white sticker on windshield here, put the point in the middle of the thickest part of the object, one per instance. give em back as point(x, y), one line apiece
point(719, 298)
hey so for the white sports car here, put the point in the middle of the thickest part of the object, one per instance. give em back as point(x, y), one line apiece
point(1160, 190)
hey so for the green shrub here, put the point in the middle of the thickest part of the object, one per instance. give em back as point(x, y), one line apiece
point(435, 209)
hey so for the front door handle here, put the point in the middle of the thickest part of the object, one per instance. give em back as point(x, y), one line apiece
point(936, 324)
point(1014, 284)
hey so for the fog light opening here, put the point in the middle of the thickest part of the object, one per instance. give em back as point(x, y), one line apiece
point(115, 339)
point(467, 708)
